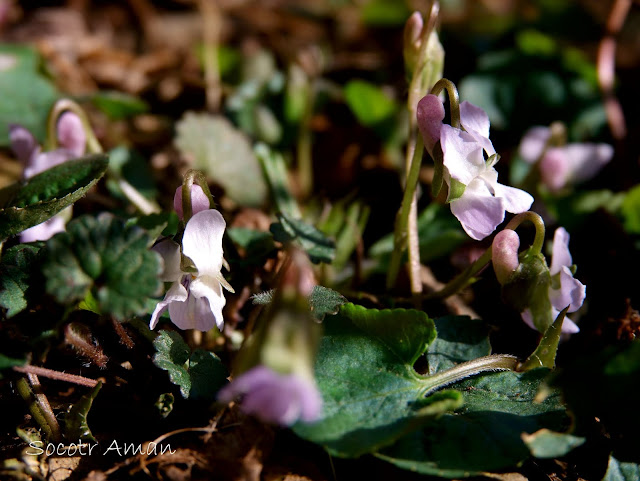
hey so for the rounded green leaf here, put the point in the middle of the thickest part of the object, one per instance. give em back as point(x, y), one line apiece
point(106, 256)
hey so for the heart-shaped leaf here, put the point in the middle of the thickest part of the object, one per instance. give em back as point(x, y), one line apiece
point(371, 393)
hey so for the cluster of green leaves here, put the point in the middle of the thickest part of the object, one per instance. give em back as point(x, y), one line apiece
point(377, 403)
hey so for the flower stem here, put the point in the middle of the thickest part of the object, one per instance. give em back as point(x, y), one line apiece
point(57, 375)
point(538, 223)
point(402, 218)
point(454, 99)
point(492, 363)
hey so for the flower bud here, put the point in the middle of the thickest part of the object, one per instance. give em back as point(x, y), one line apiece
point(432, 59)
point(199, 201)
point(504, 254)
point(71, 134)
point(527, 290)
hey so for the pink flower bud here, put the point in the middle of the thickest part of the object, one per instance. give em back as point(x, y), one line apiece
point(413, 30)
point(71, 133)
point(430, 114)
point(199, 201)
point(504, 254)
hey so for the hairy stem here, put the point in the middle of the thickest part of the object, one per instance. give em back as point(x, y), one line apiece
point(57, 375)
point(492, 363)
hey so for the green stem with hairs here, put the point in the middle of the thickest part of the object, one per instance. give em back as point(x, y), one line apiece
point(492, 363)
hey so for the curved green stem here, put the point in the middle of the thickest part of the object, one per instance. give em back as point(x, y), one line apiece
point(60, 107)
point(538, 223)
point(454, 99)
point(492, 363)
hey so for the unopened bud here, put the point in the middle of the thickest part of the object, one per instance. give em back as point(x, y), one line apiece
point(504, 254)
point(71, 134)
point(199, 201)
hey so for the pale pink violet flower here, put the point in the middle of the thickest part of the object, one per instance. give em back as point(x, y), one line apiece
point(273, 397)
point(481, 206)
point(564, 165)
point(195, 299)
point(72, 140)
point(565, 291)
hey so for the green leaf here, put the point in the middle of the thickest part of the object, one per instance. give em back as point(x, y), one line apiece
point(107, 257)
point(26, 94)
point(602, 384)
point(324, 301)
point(46, 194)
point(199, 374)
point(549, 444)
point(545, 353)
point(75, 421)
point(118, 105)
point(275, 171)
point(369, 103)
point(171, 356)
point(8, 362)
point(224, 154)
point(485, 435)
point(163, 223)
point(15, 273)
point(319, 247)
point(257, 245)
point(618, 471)
point(207, 374)
point(460, 339)
point(372, 395)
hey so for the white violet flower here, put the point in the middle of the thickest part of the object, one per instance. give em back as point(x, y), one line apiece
point(468, 160)
point(195, 299)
